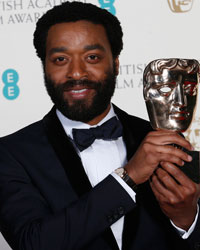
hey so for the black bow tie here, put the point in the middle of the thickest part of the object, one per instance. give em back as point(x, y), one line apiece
point(110, 130)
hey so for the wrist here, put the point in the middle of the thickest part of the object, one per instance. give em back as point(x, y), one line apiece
point(185, 222)
point(122, 173)
point(132, 174)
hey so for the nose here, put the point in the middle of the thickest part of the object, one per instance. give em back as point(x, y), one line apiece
point(179, 96)
point(77, 70)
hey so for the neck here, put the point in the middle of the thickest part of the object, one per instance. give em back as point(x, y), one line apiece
point(98, 118)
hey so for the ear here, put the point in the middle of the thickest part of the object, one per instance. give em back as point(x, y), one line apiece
point(116, 65)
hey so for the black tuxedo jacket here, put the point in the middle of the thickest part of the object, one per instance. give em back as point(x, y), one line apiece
point(47, 202)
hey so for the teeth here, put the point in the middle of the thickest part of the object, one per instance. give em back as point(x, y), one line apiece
point(78, 91)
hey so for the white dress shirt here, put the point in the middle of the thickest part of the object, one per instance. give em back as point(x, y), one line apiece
point(98, 164)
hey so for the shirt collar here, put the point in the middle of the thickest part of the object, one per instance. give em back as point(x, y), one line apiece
point(68, 124)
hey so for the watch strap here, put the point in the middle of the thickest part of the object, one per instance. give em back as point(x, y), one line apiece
point(126, 178)
point(129, 181)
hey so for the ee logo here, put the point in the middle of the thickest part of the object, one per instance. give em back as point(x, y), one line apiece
point(108, 4)
point(10, 79)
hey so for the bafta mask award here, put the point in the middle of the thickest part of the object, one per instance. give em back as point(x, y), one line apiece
point(170, 93)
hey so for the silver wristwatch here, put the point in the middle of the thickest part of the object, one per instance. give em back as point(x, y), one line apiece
point(121, 172)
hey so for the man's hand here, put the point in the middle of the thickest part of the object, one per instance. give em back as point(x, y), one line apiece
point(154, 149)
point(176, 194)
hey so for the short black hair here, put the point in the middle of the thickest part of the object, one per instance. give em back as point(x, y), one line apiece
point(76, 11)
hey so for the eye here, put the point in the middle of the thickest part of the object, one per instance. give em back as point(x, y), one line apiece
point(190, 88)
point(93, 58)
point(60, 60)
point(165, 90)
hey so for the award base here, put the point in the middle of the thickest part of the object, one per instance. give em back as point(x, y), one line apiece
point(192, 169)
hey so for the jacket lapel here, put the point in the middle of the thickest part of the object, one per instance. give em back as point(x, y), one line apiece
point(67, 155)
point(134, 130)
point(133, 133)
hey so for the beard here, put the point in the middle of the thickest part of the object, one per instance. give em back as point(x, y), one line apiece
point(82, 110)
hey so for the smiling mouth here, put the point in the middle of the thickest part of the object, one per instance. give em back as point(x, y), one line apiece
point(79, 93)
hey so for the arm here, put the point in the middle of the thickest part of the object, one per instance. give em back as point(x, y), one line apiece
point(28, 222)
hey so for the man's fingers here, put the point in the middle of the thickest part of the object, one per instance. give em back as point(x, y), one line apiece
point(166, 138)
point(174, 155)
point(167, 184)
point(177, 174)
point(161, 192)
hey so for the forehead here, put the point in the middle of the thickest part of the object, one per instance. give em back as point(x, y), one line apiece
point(175, 75)
point(77, 34)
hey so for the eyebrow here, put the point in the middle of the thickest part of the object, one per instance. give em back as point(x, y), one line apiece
point(94, 46)
point(86, 48)
point(57, 50)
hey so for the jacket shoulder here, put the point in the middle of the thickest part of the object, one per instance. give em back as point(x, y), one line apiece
point(27, 133)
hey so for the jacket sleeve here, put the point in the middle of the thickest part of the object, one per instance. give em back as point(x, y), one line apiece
point(194, 238)
point(27, 222)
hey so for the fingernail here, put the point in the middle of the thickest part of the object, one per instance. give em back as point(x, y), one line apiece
point(189, 158)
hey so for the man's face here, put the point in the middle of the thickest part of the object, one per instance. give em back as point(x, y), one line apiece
point(171, 99)
point(79, 70)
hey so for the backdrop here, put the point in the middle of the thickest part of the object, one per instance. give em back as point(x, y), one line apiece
point(152, 29)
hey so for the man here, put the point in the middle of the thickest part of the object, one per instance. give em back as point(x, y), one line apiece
point(59, 190)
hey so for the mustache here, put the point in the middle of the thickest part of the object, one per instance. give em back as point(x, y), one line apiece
point(81, 83)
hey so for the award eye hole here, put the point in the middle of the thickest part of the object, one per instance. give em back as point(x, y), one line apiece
point(190, 88)
point(165, 90)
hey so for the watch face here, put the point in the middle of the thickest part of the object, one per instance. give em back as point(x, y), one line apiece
point(120, 172)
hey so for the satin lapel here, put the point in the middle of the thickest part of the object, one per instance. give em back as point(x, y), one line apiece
point(133, 133)
point(71, 163)
point(66, 153)
point(134, 130)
